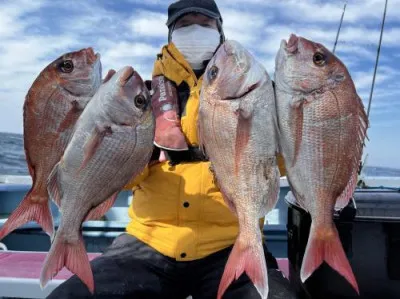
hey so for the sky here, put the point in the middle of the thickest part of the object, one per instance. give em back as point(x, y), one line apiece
point(131, 32)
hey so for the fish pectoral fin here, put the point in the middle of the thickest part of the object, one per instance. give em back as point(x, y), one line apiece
point(99, 132)
point(297, 119)
point(80, 103)
point(70, 117)
point(53, 187)
point(243, 131)
point(77, 106)
point(99, 211)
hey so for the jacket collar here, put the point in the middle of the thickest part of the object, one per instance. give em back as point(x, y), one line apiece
point(176, 67)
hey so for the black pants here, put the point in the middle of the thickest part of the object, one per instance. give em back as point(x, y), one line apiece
point(131, 269)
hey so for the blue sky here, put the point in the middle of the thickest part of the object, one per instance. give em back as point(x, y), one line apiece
point(131, 32)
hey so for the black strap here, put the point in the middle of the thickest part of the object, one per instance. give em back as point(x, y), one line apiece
point(193, 154)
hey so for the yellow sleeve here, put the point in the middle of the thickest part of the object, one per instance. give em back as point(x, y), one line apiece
point(158, 68)
point(137, 179)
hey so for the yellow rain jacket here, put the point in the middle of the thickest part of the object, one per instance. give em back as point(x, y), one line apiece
point(178, 210)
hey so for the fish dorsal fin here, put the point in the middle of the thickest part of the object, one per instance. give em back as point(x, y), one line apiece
point(344, 198)
point(347, 193)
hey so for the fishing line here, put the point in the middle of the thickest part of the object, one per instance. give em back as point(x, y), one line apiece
point(377, 60)
point(340, 26)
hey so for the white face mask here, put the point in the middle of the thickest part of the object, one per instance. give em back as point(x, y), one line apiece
point(196, 43)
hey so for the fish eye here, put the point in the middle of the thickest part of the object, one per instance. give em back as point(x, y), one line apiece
point(212, 73)
point(140, 101)
point(67, 66)
point(319, 59)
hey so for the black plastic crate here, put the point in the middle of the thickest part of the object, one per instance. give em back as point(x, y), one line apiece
point(369, 229)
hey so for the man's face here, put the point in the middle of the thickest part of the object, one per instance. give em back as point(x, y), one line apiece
point(198, 19)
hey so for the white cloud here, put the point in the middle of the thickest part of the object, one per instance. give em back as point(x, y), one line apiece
point(159, 3)
point(129, 50)
point(25, 52)
point(149, 24)
point(367, 36)
point(309, 11)
point(247, 30)
point(131, 32)
point(357, 52)
point(128, 53)
point(363, 79)
point(12, 10)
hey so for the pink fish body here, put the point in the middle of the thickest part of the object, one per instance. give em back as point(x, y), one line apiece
point(53, 104)
point(112, 142)
point(237, 129)
point(322, 126)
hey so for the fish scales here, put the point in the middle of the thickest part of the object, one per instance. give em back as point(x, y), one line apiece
point(52, 105)
point(322, 126)
point(237, 131)
point(112, 142)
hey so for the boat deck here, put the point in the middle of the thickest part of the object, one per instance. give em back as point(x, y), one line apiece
point(20, 272)
point(26, 247)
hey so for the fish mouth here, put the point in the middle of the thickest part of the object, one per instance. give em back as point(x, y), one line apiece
point(292, 45)
point(91, 56)
point(247, 92)
point(127, 74)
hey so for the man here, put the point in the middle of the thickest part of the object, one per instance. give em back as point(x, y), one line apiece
point(181, 231)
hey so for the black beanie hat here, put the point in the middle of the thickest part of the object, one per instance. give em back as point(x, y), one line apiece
point(182, 7)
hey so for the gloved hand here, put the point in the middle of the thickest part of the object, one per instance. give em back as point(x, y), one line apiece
point(168, 132)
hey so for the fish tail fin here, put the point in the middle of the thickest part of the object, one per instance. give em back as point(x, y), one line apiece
point(329, 249)
point(32, 208)
point(71, 255)
point(249, 259)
